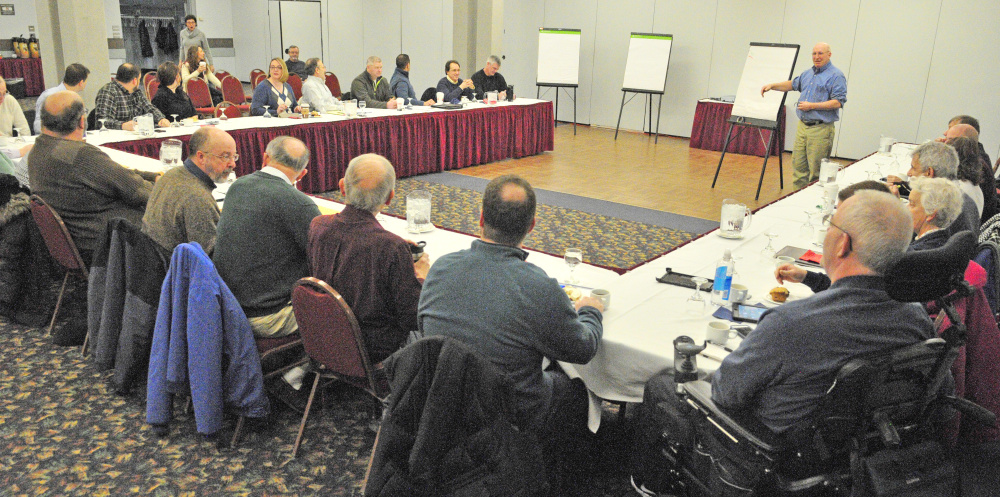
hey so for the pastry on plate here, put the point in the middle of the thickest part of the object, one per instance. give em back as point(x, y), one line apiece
point(779, 294)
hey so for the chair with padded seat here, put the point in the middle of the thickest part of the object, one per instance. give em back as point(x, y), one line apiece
point(277, 356)
point(332, 339)
point(61, 247)
point(232, 91)
point(149, 76)
point(151, 89)
point(333, 84)
point(296, 83)
point(201, 97)
point(229, 109)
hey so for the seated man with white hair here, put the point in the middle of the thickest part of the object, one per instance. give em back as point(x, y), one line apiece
point(370, 267)
point(938, 160)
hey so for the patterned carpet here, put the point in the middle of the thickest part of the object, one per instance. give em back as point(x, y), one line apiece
point(606, 241)
point(63, 431)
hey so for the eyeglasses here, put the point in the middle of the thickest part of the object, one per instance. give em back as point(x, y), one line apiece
point(828, 221)
point(224, 157)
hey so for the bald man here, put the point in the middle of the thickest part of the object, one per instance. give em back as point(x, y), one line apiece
point(80, 181)
point(260, 245)
point(181, 208)
point(822, 92)
point(987, 183)
point(371, 268)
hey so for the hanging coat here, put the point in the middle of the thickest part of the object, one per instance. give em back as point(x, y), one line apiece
point(147, 48)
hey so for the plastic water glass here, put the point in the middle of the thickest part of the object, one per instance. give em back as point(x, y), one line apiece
point(418, 212)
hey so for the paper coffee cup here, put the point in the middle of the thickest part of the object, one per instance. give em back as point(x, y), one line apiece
point(603, 295)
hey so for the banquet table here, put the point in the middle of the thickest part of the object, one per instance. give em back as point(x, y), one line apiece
point(710, 126)
point(417, 141)
point(645, 316)
point(29, 69)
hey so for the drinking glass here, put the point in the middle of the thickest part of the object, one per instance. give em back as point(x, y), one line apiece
point(696, 303)
point(175, 119)
point(266, 113)
point(574, 257)
point(806, 230)
point(768, 252)
point(361, 107)
point(103, 126)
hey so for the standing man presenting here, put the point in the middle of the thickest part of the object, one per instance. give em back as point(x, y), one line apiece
point(823, 90)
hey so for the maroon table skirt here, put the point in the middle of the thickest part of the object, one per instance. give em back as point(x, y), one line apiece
point(708, 132)
point(415, 143)
point(29, 69)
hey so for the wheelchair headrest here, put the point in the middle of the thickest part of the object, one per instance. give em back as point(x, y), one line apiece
point(925, 275)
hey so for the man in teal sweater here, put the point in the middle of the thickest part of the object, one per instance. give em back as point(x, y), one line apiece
point(260, 248)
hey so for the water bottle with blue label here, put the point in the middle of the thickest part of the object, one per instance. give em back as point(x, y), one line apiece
point(723, 279)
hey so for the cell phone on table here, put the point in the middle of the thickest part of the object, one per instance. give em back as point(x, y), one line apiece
point(748, 313)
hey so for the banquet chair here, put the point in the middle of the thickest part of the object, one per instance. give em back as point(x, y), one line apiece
point(201, 97)
point(988, 256)
point(232, 91)
point(333, 341)
point(333, 84)
point(255, 80)
point(229, 109)
point(255, 73)
point(151, 89)
point(61, 246)
point(296, 83)
point(222, 74)
point(277, 356)
point(149, 76)
point(881, 410)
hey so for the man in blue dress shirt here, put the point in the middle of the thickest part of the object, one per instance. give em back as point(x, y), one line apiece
point(823, 90)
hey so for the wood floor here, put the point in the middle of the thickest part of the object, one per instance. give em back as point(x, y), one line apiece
point(667, 176)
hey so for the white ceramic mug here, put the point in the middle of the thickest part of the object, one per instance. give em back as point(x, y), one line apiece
point(738, 293)
point(440, 97)
point(603, 295)
point(718, 332)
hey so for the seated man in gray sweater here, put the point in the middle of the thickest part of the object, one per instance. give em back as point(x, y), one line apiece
point(783, 368)
point(372, 88)
point(181, 208)
point(260, 247)
point(515, 315)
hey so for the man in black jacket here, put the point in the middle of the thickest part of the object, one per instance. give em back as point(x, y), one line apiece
point(489, 79)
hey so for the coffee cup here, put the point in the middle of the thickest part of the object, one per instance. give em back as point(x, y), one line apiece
point(603, 295)
point(440, 97)
point(738, 293)
point(417, 250)
point(718, 332)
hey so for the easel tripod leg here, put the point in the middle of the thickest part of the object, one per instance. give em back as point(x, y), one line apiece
point(574, 111)
point(763, 168)
point(659, 107)
point(620, 109)
point(724, 148)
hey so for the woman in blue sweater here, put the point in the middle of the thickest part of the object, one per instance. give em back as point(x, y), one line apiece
point(274, 92)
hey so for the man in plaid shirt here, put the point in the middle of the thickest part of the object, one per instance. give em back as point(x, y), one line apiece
point(121, 100)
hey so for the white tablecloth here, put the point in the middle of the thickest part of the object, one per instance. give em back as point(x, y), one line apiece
point(645, 316)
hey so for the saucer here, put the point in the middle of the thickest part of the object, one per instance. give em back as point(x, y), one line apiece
point(728, 237)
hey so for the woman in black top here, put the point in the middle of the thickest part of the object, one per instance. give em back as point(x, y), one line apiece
point(170, 98)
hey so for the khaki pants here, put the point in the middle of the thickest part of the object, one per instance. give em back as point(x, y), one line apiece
point(812, 144)
point(279, 324)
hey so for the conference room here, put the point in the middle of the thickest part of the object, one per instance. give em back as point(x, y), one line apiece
point(634, 192)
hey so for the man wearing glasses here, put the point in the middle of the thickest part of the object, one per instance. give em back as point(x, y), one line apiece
point(181, 208)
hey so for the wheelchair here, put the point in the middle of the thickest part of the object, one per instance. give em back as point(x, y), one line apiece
point(876, 431)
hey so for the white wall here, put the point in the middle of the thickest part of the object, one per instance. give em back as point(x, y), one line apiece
point(910, 66)
point(216, 19)
point(113, 29)
point(17, 24)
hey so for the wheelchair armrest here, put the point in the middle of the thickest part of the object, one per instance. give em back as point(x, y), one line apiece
point(969, 408)
point(736, 426)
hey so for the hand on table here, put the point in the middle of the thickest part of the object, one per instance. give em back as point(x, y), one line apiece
point(163, 123)
point(503, 95)
point(429, 102)
point(422, 266)
point(281, 108)
point(589, 302)
point(789, 272)
point(391, 104)
point(128, 126)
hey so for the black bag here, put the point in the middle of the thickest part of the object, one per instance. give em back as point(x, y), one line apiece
point(916, 471)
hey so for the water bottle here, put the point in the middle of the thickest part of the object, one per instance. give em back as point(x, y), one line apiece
point(723, 279)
